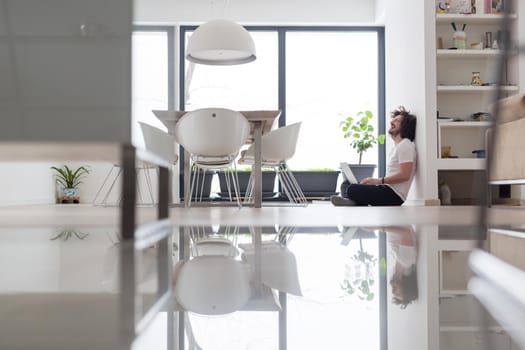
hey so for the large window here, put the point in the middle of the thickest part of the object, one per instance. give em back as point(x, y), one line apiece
point(329, 75)
point(152, 85)
point(241, 87)
point(315, 75)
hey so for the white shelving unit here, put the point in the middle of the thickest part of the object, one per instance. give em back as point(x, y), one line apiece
point(473, 89)
point(470, 18)
point(458, 100)
point(463, 138)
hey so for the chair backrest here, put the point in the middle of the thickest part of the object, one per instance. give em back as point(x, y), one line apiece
point(279, 144)
point(159, 142)
point(213, 132)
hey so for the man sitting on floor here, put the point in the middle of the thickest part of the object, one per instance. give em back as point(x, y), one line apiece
point(393, 188)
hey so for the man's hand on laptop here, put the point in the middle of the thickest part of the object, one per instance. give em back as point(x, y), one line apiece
point(371, 181)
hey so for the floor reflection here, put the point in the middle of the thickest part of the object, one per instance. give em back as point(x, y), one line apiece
point(242, 287)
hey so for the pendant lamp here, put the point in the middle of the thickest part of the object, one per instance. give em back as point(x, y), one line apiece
point(221, 43)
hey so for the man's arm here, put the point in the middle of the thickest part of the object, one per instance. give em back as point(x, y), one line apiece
point(405, 170)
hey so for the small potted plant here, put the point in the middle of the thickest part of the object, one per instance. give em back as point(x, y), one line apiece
point(69, 179)
point(363, 137)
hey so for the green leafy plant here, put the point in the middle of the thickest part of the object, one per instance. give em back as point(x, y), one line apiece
point(359, 129)
point(68, 177)
point(321, 169)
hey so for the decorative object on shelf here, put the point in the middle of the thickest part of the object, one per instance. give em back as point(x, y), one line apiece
point(476, 46)
point(445, 151)
point(480, 7)
point(473, 7)
point(476, 79)
point(221, 42)
point(497, 6)
point(460, 6)
point(444, 193)
point(459, 38)
point(69, 179)
point(487, 40)
point(480, 153)
point(481, 116)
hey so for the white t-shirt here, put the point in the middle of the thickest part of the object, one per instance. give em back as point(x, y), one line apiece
point(403, 152)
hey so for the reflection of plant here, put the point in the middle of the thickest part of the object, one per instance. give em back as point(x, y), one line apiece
point(64, 235)
point(361, 275)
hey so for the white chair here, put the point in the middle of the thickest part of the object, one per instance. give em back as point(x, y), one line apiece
point(277, 147)
point(156, 141)
point(213, 138)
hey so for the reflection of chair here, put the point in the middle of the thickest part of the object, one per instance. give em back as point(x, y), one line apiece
point(278, 266)
point(155, 141)
point(213, 137)
point(276, 148)
point(213, 282)
point(213, 285)
point(207, 242)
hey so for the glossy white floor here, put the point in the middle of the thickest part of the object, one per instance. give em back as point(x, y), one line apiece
point(81, 269)
point(316, 214)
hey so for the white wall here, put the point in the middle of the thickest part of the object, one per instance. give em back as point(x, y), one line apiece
point(410, 76)
point(26, 183)
point(256, 11)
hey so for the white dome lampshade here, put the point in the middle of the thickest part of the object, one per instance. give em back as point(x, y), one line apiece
point(220, 42)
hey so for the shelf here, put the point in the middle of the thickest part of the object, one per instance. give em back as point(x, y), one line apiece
point(465, 124)
point(485, 53)
point(471, 18)
point(474, 89)
point(461, 164)
point(494, 329)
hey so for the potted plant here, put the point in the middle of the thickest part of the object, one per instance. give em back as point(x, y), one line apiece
point(243, 174)
point(363, 137)
point(69, 179)
point(317, 182)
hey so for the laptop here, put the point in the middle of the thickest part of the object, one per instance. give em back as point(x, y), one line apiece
point(347, 173)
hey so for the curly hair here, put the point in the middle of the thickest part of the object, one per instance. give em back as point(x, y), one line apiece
point(408, 286)
point(408, 123)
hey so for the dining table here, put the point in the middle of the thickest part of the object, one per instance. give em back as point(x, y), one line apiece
point(261, 122)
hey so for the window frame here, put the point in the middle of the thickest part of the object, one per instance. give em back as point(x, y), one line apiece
point(281, 51)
